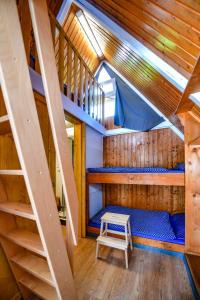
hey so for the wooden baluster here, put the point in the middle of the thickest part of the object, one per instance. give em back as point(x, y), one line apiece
point(61, 61)
point(53, 30)
point(75, 78)
point(100, 95)
point(81, 83)
point(69, 70)
point(93, 99)
point(90, 96)
point(103, 108)
point(86, 90)
point(97, 89)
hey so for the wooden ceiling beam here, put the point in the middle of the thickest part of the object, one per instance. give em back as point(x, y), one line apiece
point(193, 86)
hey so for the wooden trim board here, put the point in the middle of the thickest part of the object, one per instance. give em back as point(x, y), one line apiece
point(137, 178)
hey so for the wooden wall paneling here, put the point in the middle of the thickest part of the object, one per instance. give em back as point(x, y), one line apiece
point(157, 148)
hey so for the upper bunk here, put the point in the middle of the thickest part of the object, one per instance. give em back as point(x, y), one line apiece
point(144, 176)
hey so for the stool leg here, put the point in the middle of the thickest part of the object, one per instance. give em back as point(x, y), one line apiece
point(126, 233)
point(97, 250)
point(126, 258)
point(106, 228)
point(130, 237)
point(101, 230)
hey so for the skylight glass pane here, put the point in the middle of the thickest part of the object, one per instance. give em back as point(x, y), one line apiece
point(103, 75)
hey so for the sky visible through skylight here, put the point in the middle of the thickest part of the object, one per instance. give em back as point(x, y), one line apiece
point(108, 88)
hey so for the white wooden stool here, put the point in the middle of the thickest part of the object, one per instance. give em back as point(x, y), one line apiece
point(104, 239)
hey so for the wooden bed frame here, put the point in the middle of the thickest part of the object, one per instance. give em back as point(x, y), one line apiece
point(172, 179)
point(144, 241)
point(169, 179)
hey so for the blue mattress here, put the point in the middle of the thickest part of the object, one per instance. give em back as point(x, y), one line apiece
point(156, 225)
point(132, 170)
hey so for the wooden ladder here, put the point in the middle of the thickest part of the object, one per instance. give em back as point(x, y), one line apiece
point(39, 260)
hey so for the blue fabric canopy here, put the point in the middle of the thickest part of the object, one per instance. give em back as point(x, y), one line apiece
point(131, 111)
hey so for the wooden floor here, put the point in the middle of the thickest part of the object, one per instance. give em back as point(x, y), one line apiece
point(150, 275)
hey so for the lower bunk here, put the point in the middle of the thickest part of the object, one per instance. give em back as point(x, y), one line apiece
point(153, 228)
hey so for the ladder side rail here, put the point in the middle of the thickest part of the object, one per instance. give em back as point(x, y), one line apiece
point(44, 44)
point(21, 108)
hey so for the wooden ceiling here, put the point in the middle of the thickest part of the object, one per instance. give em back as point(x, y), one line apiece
point(171, 29)
point(141, 74)
point(77, 36)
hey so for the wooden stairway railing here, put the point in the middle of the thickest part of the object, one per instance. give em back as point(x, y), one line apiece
point(39, 260)
point(76, 79)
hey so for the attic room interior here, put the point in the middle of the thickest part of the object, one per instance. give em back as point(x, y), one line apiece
point(99, 149)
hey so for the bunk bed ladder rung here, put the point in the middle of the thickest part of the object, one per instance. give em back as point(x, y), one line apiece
point(39, 263)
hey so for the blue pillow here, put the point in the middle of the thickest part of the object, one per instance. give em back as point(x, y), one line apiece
point(180, 166)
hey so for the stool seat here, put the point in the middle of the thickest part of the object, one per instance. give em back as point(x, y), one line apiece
point(113, 218)
point(105, 240)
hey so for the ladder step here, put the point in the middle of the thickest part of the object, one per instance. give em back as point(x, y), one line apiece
point(112, 242)
point(39, 287)
point(11, 172)
point(17, 208)
point(4, 119)
point(35, 265)
point(4, 125)
point(26, 239)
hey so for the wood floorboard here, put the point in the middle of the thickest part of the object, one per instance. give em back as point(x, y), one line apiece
point(151, 276)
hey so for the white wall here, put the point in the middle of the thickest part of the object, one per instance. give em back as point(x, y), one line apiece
point(94, 158)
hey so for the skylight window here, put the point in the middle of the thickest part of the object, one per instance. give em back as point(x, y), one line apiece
point(109, 87)
point(103, 76)
point(89, 33)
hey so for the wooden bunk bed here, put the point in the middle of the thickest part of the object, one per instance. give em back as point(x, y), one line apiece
point(147, 176)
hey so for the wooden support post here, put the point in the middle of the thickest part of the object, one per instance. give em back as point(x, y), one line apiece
point(192, 185)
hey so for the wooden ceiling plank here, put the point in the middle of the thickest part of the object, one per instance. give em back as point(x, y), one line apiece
point(185, 43)
point(157, 47)
point(137, 25)
point(180, 11)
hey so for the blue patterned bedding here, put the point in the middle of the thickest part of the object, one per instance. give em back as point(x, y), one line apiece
point(156, 225)
point(133, 170)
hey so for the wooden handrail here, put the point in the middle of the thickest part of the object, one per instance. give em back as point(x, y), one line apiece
point(76, 79)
